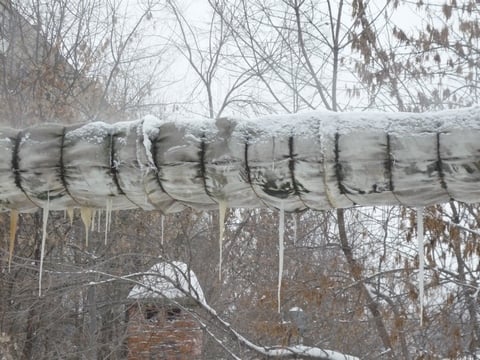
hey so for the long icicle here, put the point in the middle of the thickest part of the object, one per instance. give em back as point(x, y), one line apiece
point(86, 215)
point(94, 213)
point(162, 222)
point(222, 209)
point(46, 210)
point(421, 261)
point(294, 217)
point(13, 233)
point(99, 220)
point(71, 214)
point(281, 233)
point(108, 214)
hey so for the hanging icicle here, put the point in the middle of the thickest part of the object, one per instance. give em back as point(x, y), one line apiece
point(46, 210)
point(108, 216)
point(162, 220)
point(13, 234)
point(86, 215)
point(99, 220)
point(222, 209)
point(273, 154)
point(281, 233)
point(294, 228)
point(94, 213)
point(71, 214)
point(421, 260)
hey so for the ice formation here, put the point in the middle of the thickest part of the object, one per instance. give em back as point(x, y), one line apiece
point(294, 217)
point(421, 260)
point(71, 214)
point(108, 217)
point(46, 211)
point(222, 207)
point(13, 233)
point(86, 216)
point(281, 234)
point(162, 222)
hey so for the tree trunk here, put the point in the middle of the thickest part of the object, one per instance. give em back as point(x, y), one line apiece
point(32, 321)
point(356, 273)
point(92, 323)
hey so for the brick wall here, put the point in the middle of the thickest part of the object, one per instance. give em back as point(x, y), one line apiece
point(162, 332)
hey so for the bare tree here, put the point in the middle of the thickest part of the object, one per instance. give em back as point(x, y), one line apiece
point(351, 271)
point(75, 61)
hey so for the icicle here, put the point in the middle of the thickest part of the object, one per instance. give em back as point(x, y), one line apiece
point(70, 212)
point(273, 154)
point(86, 215)
point(46, 210)
point(99, 220)
point(162, 220)
point(281, 233)
point(294, 229)
point(108, 216)
point(13, 233)
point(222, 209)
point(94, 213)
point(421, 270)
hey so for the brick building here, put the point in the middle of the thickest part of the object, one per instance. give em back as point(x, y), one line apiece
point(41, 77)
point(160, 323)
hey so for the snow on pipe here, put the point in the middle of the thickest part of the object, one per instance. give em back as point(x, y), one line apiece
point(316, 160)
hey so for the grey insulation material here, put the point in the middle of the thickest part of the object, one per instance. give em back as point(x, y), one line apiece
point(317, 160)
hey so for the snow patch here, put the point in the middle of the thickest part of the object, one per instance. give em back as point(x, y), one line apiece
point(94, 132)
point(171, 280)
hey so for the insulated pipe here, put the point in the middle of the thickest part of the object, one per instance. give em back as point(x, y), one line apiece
point(316, 160)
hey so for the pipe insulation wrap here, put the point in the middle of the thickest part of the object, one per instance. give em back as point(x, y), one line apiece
point(316, 160)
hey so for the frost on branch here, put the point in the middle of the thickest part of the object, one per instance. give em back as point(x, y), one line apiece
point(174, 281)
